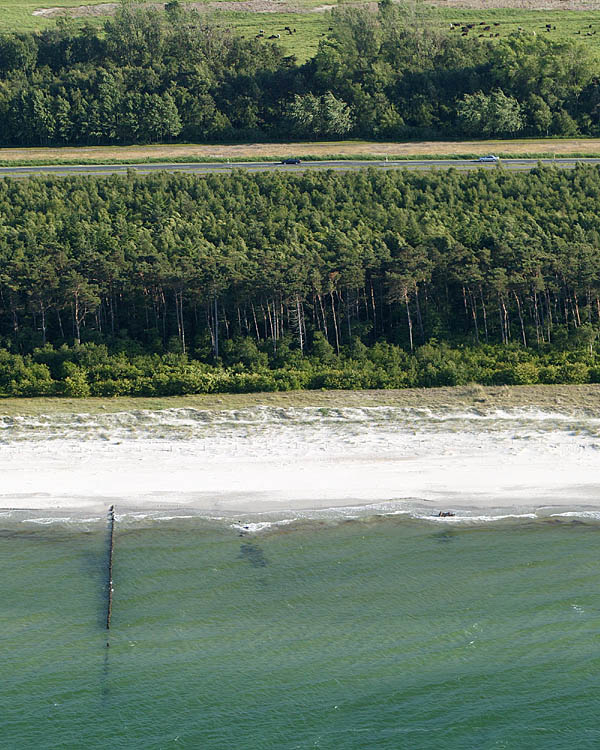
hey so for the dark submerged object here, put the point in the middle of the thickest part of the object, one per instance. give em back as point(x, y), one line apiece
point(253, 554)
point(442, 537)
point(445, 514)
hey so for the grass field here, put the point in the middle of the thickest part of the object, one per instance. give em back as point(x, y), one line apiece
point(530, 147)
point(569, 19)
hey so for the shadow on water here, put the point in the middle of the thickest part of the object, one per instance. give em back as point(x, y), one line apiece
point(14, 534)
point(107, 590)
point(93, 565)
point(105, 692)
point(253, 554)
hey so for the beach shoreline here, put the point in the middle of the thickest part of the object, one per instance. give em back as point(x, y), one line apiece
point(251, 521)
point(498, 451)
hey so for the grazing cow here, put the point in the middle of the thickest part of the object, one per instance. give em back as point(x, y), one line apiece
point(486, 28)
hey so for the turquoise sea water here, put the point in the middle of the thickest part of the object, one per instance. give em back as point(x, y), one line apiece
point(379, 632)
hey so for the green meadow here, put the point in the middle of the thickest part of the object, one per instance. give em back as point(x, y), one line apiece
point(18, 15)
point(311, 23)
point(308, 28)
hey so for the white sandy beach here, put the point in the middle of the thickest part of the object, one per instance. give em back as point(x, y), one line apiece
point(264, 459)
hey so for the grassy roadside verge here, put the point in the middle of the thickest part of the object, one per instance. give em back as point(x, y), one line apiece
point(554, 397)
point(303, 157)
point(313, 151)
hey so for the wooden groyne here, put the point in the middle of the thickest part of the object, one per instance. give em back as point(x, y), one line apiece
point(111, 549)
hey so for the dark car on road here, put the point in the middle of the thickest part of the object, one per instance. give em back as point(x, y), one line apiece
point(291, 161)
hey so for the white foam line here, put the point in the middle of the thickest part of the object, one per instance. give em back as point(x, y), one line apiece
point(68, 519)
point(474, 519)
point(171, 518)
point(256, 527)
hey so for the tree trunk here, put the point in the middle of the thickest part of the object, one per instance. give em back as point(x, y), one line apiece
point(255, 321)
point(60, 325)
point(373, 307)
point(474, 315)
point(348, 314)
point(501, 322)
point(297, 321)
point(518, 301)
point(43, 314)
point(216, 324)
point(409, 319)
point(536, 315)
point(577, 316)
point(76, 318)
point(323, 316)
point(485, 326)
point(179, 316)
point(420, 318)
point(335, 325)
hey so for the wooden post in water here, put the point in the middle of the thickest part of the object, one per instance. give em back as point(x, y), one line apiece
point(111, 547)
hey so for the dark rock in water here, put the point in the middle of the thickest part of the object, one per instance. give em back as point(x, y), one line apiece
point(253, 554)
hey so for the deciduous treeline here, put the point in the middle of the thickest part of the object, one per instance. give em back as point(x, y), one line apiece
point(150, 76)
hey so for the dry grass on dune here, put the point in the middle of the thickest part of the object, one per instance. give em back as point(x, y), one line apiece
point(262, 150)
point(556, 397)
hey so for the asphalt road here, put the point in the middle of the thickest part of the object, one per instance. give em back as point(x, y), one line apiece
point(275, 166)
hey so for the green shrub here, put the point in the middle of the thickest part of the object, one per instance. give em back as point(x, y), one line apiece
point(576, 372)
point(76, 384)
point(550, 374)
point(111, 388)
point(60, 372)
